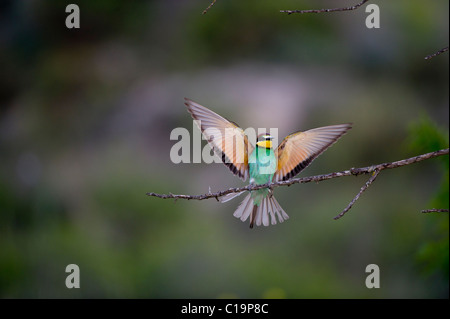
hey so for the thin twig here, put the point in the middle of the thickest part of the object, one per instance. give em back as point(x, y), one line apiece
point(356, 6)
point(434, 210)
point(428, 57)
point(375, 169)
point(366, 186)
point(209, 7)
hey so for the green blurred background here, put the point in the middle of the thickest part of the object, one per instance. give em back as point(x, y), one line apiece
point(85, 120)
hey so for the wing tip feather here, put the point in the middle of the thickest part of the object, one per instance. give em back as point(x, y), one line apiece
point(335, 133)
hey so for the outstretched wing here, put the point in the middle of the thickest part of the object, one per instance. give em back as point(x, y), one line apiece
point(226, 138)
point(299, 149)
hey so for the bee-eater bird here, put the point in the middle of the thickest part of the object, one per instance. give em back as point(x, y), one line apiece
point(262, 163)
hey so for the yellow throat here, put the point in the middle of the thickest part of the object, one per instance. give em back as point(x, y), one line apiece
point(265, 144)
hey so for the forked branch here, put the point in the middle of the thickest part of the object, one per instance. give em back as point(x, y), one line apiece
point(374, 170)
point(366, 186)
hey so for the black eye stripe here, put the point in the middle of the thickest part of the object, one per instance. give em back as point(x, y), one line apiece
point(266, 137)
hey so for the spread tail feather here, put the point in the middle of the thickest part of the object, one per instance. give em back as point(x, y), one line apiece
point(259, 214)
point(226, 198)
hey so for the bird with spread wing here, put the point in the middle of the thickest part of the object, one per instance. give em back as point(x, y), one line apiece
point(261, 163)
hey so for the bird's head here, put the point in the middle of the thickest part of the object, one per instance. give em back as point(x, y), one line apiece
point(264, 140)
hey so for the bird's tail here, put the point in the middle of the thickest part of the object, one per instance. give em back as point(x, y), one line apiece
point(259, 214)
point(226, 198)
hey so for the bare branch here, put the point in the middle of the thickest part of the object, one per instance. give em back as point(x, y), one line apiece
point(374, 169)
point(434, 210)
point(428, 57)
point(356, 6)
point(366, 186)
point(209, 7)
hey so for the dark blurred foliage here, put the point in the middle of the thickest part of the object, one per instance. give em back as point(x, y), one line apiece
point(426, 136)
point(85, 120)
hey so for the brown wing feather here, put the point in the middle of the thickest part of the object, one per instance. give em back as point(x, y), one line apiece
point(299, 149)
point(226, 138)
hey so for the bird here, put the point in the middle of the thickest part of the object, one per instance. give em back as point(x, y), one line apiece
point(261, 163)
